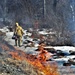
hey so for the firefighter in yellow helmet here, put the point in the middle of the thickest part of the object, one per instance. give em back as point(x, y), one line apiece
point(18, 33)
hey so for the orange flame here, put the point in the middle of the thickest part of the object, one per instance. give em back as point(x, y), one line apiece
point(41, 64)
point(47, 69)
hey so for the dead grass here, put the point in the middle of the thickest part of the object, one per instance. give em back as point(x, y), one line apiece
point(25, 67)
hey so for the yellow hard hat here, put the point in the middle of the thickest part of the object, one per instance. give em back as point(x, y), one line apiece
point(17, 24)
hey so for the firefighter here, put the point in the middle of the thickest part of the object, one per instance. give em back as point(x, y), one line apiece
point(18, 33)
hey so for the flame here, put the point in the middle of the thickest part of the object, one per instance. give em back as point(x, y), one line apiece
point(40, 62)
point(44, 67)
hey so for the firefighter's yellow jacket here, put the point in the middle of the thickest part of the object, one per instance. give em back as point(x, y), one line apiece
point(19, 31)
